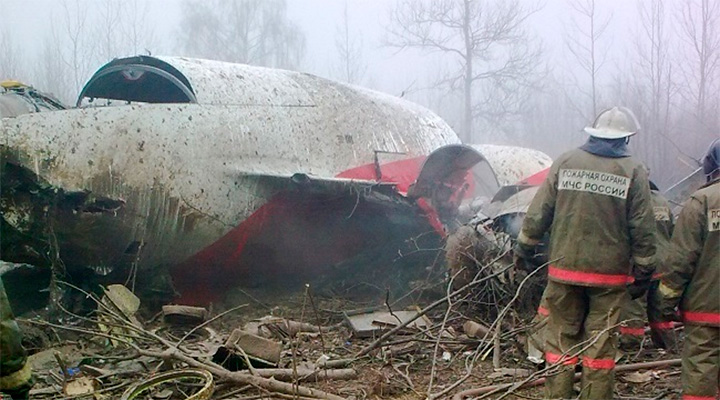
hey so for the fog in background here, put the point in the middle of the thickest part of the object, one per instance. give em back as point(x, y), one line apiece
point(517, 72)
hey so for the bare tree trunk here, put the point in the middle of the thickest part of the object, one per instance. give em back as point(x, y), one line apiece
point(9, 61)
point(582, 41)
point(348, 77)
point(467, 134)
point(700, 23)
point(593, 67)
point(351, 68)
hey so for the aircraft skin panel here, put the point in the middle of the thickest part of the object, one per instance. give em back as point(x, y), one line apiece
point(512, 163)
point(187, 174)
point(194, 148)
point(188, 185)
point(217, 82)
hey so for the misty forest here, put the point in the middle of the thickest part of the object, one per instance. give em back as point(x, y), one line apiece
point(489, 68)
point(357, 199)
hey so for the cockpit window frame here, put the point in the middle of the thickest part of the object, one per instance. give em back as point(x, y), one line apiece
point(94, 87)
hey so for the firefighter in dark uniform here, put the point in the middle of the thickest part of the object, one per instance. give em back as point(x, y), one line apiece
point(15, 373)
point(693, 282)
point(596, 203)
point(635, 312)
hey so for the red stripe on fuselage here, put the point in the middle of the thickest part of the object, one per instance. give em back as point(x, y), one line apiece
point(402, 173)
point(536, 179)
point(204, 277)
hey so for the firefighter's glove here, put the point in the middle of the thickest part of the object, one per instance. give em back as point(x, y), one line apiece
point(522, 254)
point(638, 288)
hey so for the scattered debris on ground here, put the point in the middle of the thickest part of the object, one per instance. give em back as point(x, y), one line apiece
point(287, 346)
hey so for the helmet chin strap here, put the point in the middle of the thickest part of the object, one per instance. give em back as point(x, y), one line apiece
point(627, 140)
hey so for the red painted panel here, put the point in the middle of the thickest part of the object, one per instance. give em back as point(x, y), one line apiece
point(535, 179)
point(402, 172)
point(291, 230)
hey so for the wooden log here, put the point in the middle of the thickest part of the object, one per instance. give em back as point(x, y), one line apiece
point(305, 374)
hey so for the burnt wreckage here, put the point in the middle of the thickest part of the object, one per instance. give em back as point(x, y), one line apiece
point(188, 177)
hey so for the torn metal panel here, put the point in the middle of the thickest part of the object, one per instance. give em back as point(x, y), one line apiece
point(17, 98)
point(367, 324)
point(512, 164)
point(261, 352)
point(172, 177)
point(515, 203)
point(12, 105)
point(681, 191)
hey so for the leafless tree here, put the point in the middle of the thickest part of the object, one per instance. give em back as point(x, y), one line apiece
point(69, 51)
point(700, 28)
point(551, 123)
point(81, 38)
point(246, 31)
point(494, 60)
point(586, 29)
point(10, 59)
point(76, 46)
point(51, 73)
point(121, 29)
point(138, 32)
point(351, 67)
point(653, 64)
point(107, 29)
point(652, 87)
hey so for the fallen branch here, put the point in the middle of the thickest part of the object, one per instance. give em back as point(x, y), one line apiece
point(339, 363)
point(173, 353)
point(492, 328)
point(242, 378)
point(442, 328)
point(306, 374)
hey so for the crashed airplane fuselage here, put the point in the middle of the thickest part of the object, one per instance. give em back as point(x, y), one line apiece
point(219, 172)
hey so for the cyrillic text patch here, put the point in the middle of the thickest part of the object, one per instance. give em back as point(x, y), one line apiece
point(594, 182)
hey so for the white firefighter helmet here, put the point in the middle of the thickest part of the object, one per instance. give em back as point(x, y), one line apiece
point(614, 123)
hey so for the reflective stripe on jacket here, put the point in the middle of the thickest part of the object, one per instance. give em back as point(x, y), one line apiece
point(600, 217)
point(694, 267)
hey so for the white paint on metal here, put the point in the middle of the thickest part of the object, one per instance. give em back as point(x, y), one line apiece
point(182, 168)
point(512, 164)
point(517, 203)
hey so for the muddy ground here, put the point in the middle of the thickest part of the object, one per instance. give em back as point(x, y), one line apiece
point(400, 369)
